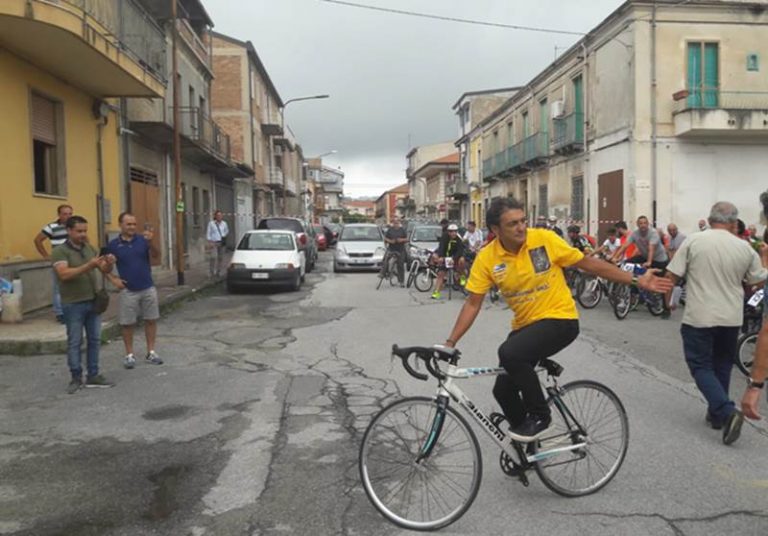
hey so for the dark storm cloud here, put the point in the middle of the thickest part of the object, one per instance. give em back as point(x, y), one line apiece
point(393, 78)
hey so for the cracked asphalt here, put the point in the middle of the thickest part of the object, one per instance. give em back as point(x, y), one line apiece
point(252, 426)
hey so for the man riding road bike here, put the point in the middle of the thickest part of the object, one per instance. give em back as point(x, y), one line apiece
point(527, 266)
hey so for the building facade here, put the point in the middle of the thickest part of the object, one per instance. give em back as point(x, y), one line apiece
point(417, 158)
point(61, 132)
point(659, 111)
point(328, 191)
point(440, 177)
point(390, 203)
point(361, 208)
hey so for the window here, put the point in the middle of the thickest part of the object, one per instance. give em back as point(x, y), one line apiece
point(577, 199)
point(753, 63)
point(526, 125)
point(206, 205)
point(544, 200)
point(495, 140)
point(510, 134)
point(195, 206)
point(48, 156)
point(703, 75)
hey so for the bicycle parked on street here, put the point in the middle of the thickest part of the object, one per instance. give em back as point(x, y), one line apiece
point(420, 461)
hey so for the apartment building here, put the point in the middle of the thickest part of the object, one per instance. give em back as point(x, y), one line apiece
point(64, 66)
point(328, 191)
point(660, 111)
point(440, 178)
point(472, 108)
point(247, 105)
point(361, 208)
point(389, 204)
point(417, 158)
point(208, 170)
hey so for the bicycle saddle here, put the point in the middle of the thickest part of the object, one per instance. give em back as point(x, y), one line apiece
point(553, 368)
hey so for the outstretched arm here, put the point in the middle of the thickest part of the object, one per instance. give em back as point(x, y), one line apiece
point(466, 318)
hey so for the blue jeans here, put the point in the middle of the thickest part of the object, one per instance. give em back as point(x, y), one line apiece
point(78, 316)
point(57, 310)
point(710, 353)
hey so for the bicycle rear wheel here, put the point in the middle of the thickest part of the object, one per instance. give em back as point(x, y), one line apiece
point(655, 304)
point(427, 494)
point(745, 355)
point(590, 407)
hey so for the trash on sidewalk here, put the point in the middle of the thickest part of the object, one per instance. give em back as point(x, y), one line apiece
point(10, 301)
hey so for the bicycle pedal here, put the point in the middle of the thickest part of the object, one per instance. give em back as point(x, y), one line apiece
point(524, 480)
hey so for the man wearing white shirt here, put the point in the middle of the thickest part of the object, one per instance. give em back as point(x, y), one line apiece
point(473, 237)
point(218, 230)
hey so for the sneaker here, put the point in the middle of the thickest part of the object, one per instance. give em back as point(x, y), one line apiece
point(74, 386)
point(98, 381)
point(129, 361)
point(436, 295)
point(154, 359)
point(732, 429)
point(533, 427)
point(715, 425)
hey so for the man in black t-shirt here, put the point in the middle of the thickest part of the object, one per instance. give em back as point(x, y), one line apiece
point(451, 246)
point(396, 238)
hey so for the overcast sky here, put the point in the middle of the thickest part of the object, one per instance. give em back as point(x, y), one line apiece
point(393, 79)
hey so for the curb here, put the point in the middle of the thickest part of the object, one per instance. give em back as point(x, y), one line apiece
point(110, 329)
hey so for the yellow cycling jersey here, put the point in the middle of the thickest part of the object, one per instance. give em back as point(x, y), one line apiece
point(531, 281)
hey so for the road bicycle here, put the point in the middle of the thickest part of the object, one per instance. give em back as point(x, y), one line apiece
point(425, 280)
point(388, 269)
point(420, 461)
point(627, 299)
point(417, 272)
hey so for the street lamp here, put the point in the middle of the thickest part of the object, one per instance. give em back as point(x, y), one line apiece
point(282, 123)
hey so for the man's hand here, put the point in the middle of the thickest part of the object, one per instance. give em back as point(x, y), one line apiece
point(111, 259)
point(749, 403)
point(647, 264)
point(96, 262)
point(120, 284)
point(651, 282)
point(148, 235)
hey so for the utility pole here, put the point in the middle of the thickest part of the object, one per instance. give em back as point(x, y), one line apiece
point(180, 208)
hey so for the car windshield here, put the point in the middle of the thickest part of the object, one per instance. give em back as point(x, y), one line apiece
point(281, 225)
point(427, 234)
point(357, 234)
point(266, 242)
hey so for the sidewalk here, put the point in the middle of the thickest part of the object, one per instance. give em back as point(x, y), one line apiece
point(40, 334)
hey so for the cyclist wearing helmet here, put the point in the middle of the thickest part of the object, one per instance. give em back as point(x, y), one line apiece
point(451, 246)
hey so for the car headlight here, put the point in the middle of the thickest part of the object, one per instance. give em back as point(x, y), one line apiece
point(379, 252)
point(237, 266)
point(340, 251)
point(284, 266)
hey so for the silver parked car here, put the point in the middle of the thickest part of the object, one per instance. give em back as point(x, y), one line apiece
point(360, 247)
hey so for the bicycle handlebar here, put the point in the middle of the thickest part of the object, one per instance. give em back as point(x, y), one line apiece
point(428, 355)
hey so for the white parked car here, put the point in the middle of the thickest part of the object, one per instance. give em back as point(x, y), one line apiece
point(360, 247)
point(267, 258)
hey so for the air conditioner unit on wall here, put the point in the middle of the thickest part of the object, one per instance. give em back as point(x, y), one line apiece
point(558, 109)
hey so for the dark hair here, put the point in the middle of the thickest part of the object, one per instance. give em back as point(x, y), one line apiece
point(444, 222)
point(61, 207)
point(742, 227)
point(612, 230)
point(123, 215)
point(500, 206)
point(75, 220)
point(622, 225)
point(642, 218)
point(471, 222)
point(574, 229)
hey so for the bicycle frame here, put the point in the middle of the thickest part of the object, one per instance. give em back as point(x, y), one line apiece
point(509, 442)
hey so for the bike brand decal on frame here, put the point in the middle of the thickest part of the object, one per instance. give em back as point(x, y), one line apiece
point(540, 260)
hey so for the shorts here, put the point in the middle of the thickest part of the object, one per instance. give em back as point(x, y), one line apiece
point(140, 303)
point(456, 260)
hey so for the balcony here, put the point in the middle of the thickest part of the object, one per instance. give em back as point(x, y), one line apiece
point(569, 134)
point(711, 113)
point(457, 190)
point(535, 149)
point(192, 40)
point(107, 48)
point(275, 179)
point(488, 169)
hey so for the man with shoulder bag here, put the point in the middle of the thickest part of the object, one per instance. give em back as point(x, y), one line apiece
point(217, 232)
point(76, 263)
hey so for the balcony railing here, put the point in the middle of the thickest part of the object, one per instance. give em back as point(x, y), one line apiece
point(136, 32)
point(195, 43)
point(714, 99)
point(488, 169)
point(201, 129)
point(275, 177)
point(569, 132)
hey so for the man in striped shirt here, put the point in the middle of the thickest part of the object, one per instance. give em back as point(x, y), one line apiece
point(56, 232)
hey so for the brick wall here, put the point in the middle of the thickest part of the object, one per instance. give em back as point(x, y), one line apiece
point(227, 90)
point(235, 126)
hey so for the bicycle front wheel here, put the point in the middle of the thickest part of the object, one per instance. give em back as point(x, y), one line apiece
point(590, 413)
point(415, 494)
point(745, 355)
point(590, 292)
point(622, 301)
point(424, 281)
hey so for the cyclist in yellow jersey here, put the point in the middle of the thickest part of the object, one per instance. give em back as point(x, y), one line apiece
point(527, 267)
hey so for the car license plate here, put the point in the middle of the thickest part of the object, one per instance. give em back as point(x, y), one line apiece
point(259, 275)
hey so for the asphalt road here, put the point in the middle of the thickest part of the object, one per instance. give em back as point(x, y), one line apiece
point(252, 426)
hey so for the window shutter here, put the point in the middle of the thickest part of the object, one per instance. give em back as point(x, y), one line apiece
point(43, 119)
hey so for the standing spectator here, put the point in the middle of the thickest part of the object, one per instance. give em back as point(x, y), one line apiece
point(75, 262)
point(552, 226)
point(541, 222)
point(396, 237)
point(676, 239)
point(473, 237)
point(703, 225)
point(56, 232)
point(715, 264)
point(218, 230)
point(138, 295)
